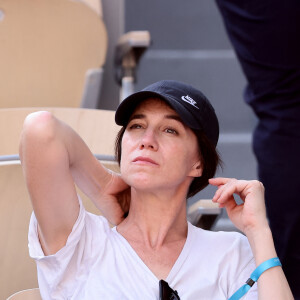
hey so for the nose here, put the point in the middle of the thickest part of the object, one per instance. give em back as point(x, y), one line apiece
point(148, 141)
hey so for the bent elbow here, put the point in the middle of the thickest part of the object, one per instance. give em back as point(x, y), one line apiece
point(38, 128)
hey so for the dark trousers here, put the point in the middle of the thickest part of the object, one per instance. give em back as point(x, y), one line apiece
point(265, 36)
point(278, 157)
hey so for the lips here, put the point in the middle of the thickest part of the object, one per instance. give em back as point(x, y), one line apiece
point(144, 160)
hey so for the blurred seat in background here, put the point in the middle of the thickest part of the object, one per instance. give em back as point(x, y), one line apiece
point(96, 127)
point(31, 294)
point(53, 53)
point(46, 49)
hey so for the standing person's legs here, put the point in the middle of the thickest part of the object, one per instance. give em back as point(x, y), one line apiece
point(264, 35)
point(278, 159)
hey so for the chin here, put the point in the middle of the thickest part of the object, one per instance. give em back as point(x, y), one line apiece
point(139, 180)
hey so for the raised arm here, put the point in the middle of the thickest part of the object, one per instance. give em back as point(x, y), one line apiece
point(251, 219)
point(54, 158)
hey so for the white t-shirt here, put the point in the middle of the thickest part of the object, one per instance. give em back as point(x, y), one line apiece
point(98, 263)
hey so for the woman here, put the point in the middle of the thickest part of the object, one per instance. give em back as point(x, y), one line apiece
point(166, 151)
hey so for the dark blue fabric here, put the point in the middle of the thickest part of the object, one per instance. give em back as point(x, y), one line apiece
point(266, 37)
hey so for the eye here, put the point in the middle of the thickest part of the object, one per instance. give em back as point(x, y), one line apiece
point(171, 131)
point(134, 126)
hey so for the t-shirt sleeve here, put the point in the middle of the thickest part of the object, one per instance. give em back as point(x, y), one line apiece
point(244, 266)
point(35, 249)
point(58, 274)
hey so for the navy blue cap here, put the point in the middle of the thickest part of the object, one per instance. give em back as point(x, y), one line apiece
point(191, 105)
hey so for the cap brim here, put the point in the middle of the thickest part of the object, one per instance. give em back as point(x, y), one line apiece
point(129, 104)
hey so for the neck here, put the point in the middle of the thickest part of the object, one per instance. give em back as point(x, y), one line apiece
point(155, 219)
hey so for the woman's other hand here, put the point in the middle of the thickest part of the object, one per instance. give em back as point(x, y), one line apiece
point(251, 214)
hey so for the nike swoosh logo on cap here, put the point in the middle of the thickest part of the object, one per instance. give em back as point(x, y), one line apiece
point(189, 100)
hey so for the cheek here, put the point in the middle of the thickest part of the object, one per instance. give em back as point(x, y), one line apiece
point(177, 155)
point(123, 152)
point(125, 146)
point(189, 155)
point(194, 150)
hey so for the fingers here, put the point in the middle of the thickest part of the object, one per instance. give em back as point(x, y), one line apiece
point(223, 180)
point(229, 186)
point(218, 180)
point(249, 216)
point(226, 188)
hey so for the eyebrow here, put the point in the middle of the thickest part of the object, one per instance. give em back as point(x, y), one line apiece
point(169, 116)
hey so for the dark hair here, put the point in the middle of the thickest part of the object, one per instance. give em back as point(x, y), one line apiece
point(209, 156)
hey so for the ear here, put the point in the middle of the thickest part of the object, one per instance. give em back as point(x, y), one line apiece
point(196, 170)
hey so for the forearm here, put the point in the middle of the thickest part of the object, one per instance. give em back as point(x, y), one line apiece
point(272, 284)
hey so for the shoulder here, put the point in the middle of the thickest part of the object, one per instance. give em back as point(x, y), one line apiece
point(226, 251)
point(96, 222)
point(208, 234)
point(221, 241)
point(226, 257)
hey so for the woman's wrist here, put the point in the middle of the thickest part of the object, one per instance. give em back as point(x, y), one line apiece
point(262, 244)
